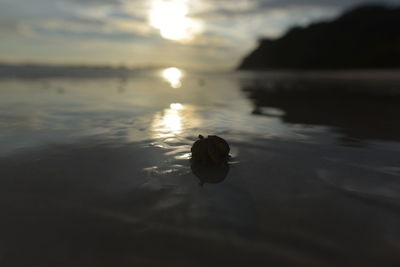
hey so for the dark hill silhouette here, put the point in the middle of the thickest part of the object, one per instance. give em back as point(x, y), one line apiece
point(365, 37)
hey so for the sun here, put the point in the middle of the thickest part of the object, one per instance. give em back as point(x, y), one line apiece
point(171, 18)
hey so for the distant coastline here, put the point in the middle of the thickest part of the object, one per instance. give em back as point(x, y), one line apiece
point(366, 37)
point(8, 70)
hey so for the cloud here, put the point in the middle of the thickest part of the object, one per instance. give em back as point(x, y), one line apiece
point(227, 8)
point(120, 29)
point(96, 2)
point(268, 17)
point(90, 16)
point(117, 30)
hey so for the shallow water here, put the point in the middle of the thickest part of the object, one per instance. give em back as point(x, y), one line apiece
point(96, 171)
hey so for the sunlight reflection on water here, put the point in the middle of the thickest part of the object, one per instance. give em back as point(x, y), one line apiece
point(173, 121)
point(170, 123)
point(173, 76)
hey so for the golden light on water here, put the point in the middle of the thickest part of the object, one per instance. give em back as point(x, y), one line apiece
point(172, 122)
point(169, 123)
point(171, 18)
point(176, 106)
point(173, 76)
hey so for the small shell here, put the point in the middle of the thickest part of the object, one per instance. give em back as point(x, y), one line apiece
point(212, 149)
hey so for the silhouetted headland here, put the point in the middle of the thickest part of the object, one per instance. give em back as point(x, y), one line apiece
point(365, 37)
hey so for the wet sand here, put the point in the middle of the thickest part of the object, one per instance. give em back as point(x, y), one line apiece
point(98, 174)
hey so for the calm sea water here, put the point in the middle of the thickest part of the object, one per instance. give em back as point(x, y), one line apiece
point(96, 171)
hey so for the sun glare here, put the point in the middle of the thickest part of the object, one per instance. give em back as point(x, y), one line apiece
point(170, 17)
point(173, 76)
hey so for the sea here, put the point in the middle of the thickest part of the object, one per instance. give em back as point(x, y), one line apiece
point(96, 170)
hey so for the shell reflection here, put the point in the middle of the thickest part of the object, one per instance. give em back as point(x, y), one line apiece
point(209, 173)
point(174, 121)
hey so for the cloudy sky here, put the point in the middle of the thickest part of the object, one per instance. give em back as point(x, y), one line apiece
point(183, 33)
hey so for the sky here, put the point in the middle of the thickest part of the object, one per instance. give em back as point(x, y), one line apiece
point(196, 34)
